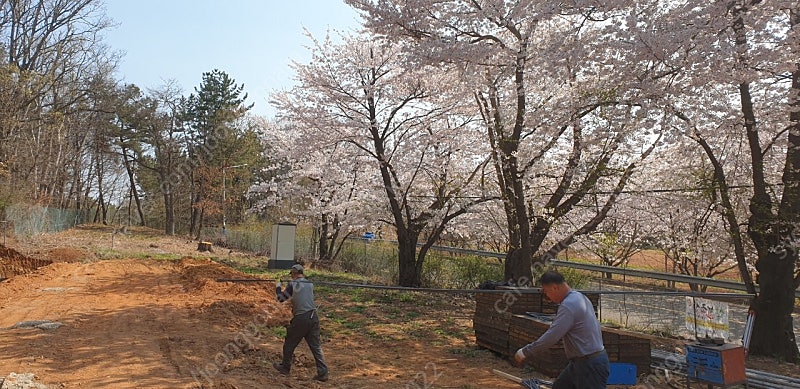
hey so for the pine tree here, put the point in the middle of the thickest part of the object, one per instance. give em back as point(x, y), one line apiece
point(216, 140)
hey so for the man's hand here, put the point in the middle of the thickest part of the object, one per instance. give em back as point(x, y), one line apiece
point(519, 358)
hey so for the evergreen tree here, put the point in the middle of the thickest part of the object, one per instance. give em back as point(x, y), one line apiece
point(217, 139)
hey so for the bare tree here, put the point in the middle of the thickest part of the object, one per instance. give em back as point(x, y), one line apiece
point(50, 56)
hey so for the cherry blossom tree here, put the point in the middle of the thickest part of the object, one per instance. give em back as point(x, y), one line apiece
point(561, 119)
point(404, 120)
point(730, 72)
point(322, 185)
point(615, 241)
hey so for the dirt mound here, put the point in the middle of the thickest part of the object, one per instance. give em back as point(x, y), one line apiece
point(67, 254)
point(12, 263)
point(202, 274)
point(242, 300)
point(164, 323)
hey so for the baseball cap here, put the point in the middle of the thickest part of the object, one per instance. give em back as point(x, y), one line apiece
point(297, 268)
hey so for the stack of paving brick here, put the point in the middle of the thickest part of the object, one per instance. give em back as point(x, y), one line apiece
point(628, 347)
point(490, 325)
point(525, 329)
point(494, 310)
point(621, 346)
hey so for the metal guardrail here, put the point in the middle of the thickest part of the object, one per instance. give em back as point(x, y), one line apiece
point(730, 285)
point(655, 275)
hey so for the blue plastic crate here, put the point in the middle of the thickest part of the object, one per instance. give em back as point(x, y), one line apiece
point(621, 374)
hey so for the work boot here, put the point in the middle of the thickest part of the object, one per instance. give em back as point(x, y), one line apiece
point(322, 377)
point(280, 368)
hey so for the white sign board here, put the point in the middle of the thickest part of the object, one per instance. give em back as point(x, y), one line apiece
point(709, 316)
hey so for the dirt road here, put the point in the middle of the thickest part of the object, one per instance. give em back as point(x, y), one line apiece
point(167, 324)
point(117, 322)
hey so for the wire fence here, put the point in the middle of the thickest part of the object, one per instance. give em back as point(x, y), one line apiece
point(28, 220)
point(636, 303)
point(675, 314)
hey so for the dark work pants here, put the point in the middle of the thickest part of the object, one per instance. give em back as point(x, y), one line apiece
point(591, 373)
point(304, 326)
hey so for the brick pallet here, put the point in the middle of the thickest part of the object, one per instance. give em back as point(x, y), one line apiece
point(525, 329)
point(501, 325)
point(621, 346)
point(627, 347)
point(493, 312)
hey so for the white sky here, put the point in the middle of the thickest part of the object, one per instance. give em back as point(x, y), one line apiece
point(253, 41)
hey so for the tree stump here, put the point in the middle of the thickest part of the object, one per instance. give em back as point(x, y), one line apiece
point(204, 246)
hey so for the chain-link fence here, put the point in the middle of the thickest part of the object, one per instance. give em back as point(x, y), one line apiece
point(371, 258)
point(26, 220)
point(674, 314)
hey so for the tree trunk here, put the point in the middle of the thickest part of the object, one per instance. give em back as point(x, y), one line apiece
point(169, 206)
point(504, 140)
point(324, 254)
point(86, 190)
point(773, 330)
point(773, 333)
point(518, 265)
point(132, 178)
point(332, 253)
point(410, 271)
point(200, 220)
point(130, 205)
point(771, 233)
point(194, 223)
point(728, 212)
point(102, 210)
point(194, 196)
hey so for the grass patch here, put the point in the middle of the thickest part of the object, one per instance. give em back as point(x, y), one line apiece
point(109, 254)
point(359, 309)
point(159, 257)
point(470, 352)
point(279, 331)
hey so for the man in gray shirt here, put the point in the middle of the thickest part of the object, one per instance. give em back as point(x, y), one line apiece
point(304, 324)
point(576, 323)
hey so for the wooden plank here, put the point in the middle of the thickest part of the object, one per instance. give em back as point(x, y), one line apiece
point(507, 376)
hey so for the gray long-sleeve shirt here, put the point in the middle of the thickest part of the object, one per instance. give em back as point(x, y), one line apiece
point(301, 294)
point(576, 323)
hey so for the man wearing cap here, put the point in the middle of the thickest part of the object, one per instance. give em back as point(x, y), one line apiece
point(304, 324)
point(577, 324)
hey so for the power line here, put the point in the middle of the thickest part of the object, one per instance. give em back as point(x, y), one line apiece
point(632, 191)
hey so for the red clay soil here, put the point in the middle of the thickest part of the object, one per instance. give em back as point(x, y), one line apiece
point(13, 263)
point(169, 324)
point(147, 323)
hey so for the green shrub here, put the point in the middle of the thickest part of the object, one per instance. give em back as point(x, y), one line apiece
point(434, 272)
point(375, 260)
point(472, 271)
point(458, 272)
point(575, 278)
